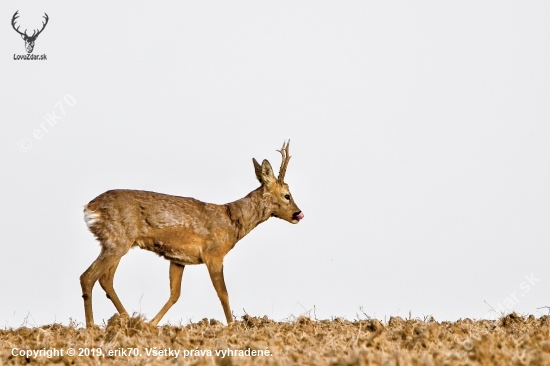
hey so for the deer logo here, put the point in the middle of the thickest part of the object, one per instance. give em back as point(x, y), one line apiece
point(29, 40)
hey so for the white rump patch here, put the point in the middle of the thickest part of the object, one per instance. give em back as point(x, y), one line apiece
point(90, 217)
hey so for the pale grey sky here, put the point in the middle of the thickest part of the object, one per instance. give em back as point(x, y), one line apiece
point(420, 140)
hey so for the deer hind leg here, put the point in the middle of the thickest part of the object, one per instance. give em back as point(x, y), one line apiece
point(176, 273)
point(106, 282)
point(107, 258)
point(215, 269)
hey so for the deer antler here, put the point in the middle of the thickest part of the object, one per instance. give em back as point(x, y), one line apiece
point(34, 33)
point(286, 158)
point(15, 16)
point(45, 16)
point(43, 26)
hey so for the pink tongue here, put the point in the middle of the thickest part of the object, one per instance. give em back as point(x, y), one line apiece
point(300, 216)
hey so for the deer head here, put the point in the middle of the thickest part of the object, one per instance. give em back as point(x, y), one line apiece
point(29, 40)
point(276, 191)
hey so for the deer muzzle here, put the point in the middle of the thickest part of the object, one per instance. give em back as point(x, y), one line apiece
point(298, 216)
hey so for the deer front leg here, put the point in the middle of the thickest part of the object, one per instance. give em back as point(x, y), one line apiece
point(215, 269)
point(176, 273)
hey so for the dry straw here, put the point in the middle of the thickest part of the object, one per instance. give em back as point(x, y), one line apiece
point(511, 340)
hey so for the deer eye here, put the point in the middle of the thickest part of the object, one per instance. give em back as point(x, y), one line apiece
point(287, 196)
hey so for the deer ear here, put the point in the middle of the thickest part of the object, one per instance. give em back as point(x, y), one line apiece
point(23, 36)
point(268, 178)
point(258, 170)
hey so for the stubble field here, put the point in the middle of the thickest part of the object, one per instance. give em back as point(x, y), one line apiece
point(511, 340)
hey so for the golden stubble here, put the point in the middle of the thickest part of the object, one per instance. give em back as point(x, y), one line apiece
point(511, 340)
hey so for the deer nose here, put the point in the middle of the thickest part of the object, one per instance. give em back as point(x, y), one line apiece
point(298, 215)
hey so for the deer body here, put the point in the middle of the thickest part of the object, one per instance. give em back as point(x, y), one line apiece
point(183, 230)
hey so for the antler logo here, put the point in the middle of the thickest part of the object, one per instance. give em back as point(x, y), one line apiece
point(29, 40)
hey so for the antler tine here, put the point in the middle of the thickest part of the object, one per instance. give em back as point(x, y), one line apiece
point(286, 157)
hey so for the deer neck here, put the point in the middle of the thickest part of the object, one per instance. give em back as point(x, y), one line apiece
point(248, 212)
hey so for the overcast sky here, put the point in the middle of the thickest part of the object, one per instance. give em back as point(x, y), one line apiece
point(420, 143)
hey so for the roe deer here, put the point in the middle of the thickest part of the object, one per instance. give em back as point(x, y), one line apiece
point(183, 230)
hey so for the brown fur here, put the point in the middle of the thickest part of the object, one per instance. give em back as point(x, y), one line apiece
point(183, 230)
